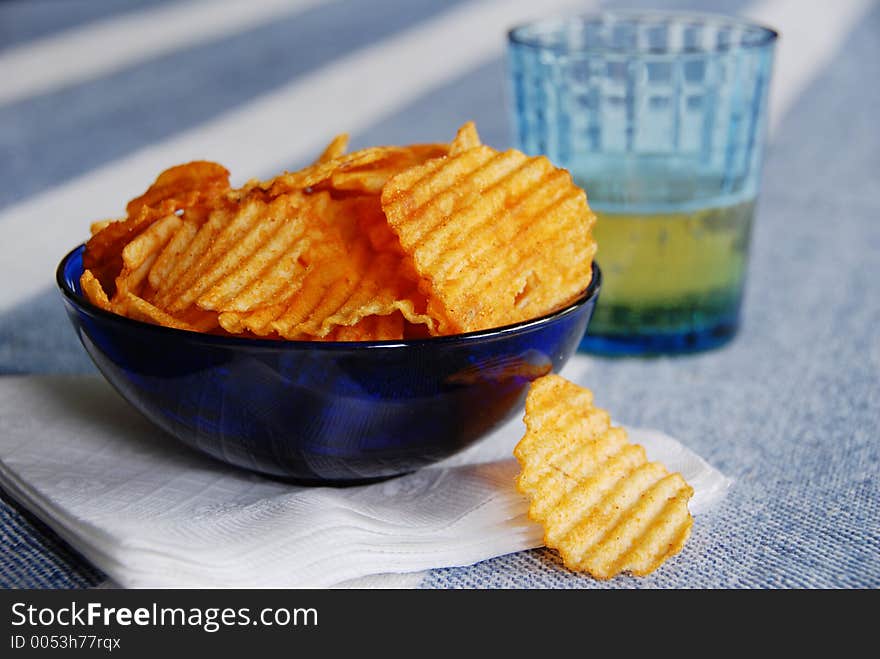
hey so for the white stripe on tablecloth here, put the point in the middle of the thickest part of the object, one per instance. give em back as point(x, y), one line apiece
point(287, 125)
point(100, 48)
point(811, 33)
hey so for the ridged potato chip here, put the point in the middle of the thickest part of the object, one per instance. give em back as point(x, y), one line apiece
point(363, 171)
point(371, 328)
point(499, 237)
point(318, 271)
point(604, 507)
point(362, 284)
point(184, 186)
point(140, 254)
point(133, 306)
point(466, 138)
point(335, 149)
point(189, 190)
point(100, 225)
point(238, 265)
point(231, 242)
point(286, 234)
point(371, 179)
point(93, 290)
point(387, 242)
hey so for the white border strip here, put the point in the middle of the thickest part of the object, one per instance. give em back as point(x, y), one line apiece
point(113, 44)
point(290, 124)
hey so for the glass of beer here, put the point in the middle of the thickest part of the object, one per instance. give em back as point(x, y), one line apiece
point(661, 118)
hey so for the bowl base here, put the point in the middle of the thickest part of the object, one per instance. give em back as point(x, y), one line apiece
point(335, 482)
point(622, 345)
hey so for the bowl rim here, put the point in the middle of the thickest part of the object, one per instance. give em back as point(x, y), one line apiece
point(84, 304)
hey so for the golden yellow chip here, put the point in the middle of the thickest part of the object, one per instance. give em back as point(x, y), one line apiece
point(385, 242)
point(93, 290)
point(466, 138)
point(133, 306)
point(342, 292)
point(233, 261)
point(169, 256)
point(360, 217)
point(236, 241)
point(140, 254)
point(190, 190)
point(603, 506)
point(289, 227)
point(229, 252)
point(386, 160)
point(371, 328)
point(199, 320)
point(323, 170)
point(184, 186)
point(150, 241)
point(371, 178)
point(365, 181)
point(192, 251)
point(100, 225)
point(335, 149)
point(329, 266)
point(498, 237)
point(256, 321)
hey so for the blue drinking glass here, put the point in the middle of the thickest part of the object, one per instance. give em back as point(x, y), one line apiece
point(661, 118)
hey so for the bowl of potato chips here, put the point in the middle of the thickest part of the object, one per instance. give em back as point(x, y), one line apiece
point(359, 318)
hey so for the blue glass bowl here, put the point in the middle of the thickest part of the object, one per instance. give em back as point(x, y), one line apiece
point(316, 412)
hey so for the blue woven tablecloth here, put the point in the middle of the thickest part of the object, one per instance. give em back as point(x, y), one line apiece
point(790, 410)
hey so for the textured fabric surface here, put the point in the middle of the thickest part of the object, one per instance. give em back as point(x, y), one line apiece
point(790, 409)
point(34, 557)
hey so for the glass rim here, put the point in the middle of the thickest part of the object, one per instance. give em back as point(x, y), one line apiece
point(768, 35)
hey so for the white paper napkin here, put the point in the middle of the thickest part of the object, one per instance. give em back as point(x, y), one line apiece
point(152, 513)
